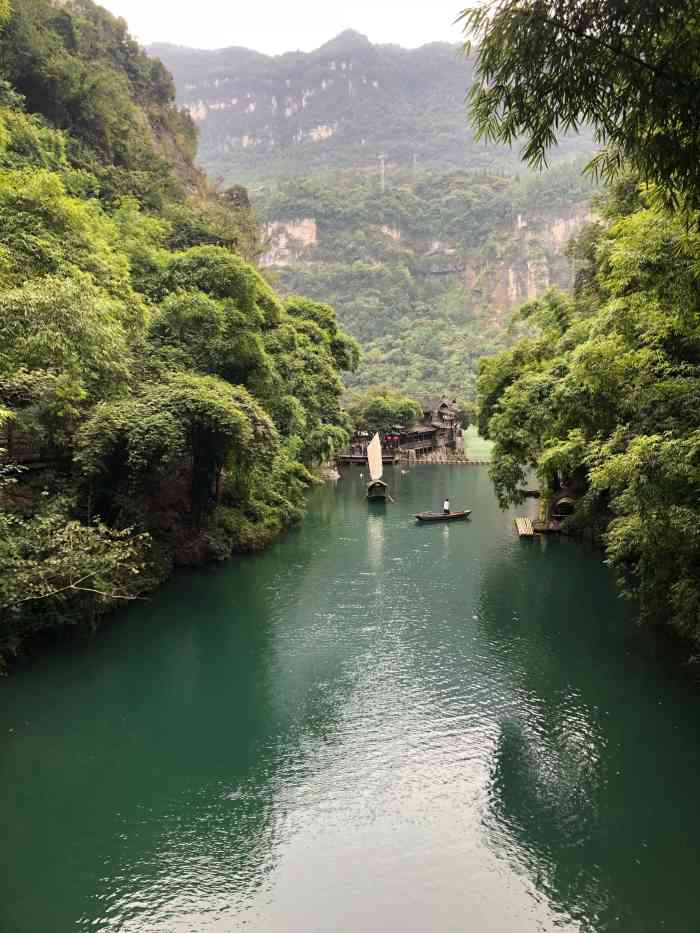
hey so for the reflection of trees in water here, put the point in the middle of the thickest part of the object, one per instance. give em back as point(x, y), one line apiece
point(210, 747)
point(536, 801)
point(233, 705)
point(593, 779)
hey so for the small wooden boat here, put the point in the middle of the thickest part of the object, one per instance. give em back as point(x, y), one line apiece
point(377, 491)
point(443, 516)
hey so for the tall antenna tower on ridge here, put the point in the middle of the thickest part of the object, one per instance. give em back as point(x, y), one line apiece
point(382, 172)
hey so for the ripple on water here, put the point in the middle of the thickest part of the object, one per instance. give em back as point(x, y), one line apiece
point(371, 726)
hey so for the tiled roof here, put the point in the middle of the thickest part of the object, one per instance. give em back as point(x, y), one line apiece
point(420, 429)
point(433, 402)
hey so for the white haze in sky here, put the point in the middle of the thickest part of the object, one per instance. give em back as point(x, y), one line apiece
point(275, 26)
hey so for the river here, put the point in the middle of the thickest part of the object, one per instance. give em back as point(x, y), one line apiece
point(373, 726)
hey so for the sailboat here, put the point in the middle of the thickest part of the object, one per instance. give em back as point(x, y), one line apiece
point(376, 489)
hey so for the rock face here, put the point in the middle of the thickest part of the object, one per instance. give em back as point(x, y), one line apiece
point(391, 232)
point(344, 104)
point(537, 255)
point(562, 229)
point(289, 242)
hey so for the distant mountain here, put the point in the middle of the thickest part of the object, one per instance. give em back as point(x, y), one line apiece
point(421, 258)
point(343, 105)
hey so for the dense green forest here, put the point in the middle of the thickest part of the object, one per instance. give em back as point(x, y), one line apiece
point(159, 402)
point(603, 393)
point(424, 273)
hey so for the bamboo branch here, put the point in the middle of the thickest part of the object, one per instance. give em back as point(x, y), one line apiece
point(76, 587)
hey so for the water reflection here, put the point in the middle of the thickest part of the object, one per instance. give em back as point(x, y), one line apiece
point(579, 790)
point(375, 538)
point(374, 725)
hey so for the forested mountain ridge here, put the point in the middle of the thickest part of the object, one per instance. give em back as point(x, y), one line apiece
point(345, 104)
point(423, 273)
point(159, 402)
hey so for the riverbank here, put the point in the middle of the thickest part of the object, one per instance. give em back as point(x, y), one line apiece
point(229, 533)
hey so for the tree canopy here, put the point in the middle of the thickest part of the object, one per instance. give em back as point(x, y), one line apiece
point(630, 70)
point(381, 408)
point(605, 392)
point(602, 393)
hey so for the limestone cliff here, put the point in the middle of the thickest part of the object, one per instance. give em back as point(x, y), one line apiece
point(344, 104)
point(373, 195)
point(289, 242)
point(536, 260)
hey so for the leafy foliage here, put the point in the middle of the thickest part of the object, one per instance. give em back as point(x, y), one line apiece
point(381, 408)
point(605, 393)
point(77, 569)
point(547, 67)
point(159, 401)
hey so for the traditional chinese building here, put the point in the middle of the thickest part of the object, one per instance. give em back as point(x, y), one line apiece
point(439, 426)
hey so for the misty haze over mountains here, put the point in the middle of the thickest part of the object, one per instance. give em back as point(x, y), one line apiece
point(343, 105)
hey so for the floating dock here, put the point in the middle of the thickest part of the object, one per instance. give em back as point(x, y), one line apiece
point(525, 527)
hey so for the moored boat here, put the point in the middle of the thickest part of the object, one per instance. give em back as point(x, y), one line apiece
point(377, 491)
point(443, 516)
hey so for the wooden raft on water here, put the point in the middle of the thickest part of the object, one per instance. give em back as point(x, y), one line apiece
point(525, 527)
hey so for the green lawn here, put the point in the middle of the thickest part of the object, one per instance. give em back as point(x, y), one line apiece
point(475, 447)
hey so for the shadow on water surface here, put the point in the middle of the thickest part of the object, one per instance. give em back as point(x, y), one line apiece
point(160, 740)
point(586, 793)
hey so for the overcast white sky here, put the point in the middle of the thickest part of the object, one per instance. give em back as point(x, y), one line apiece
point(275, 26)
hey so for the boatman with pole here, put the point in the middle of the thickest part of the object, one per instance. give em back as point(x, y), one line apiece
point(446, 506)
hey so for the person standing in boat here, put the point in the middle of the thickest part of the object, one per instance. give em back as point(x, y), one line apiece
point(446, 506)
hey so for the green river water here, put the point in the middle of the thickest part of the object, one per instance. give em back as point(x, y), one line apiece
point(373, 726)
